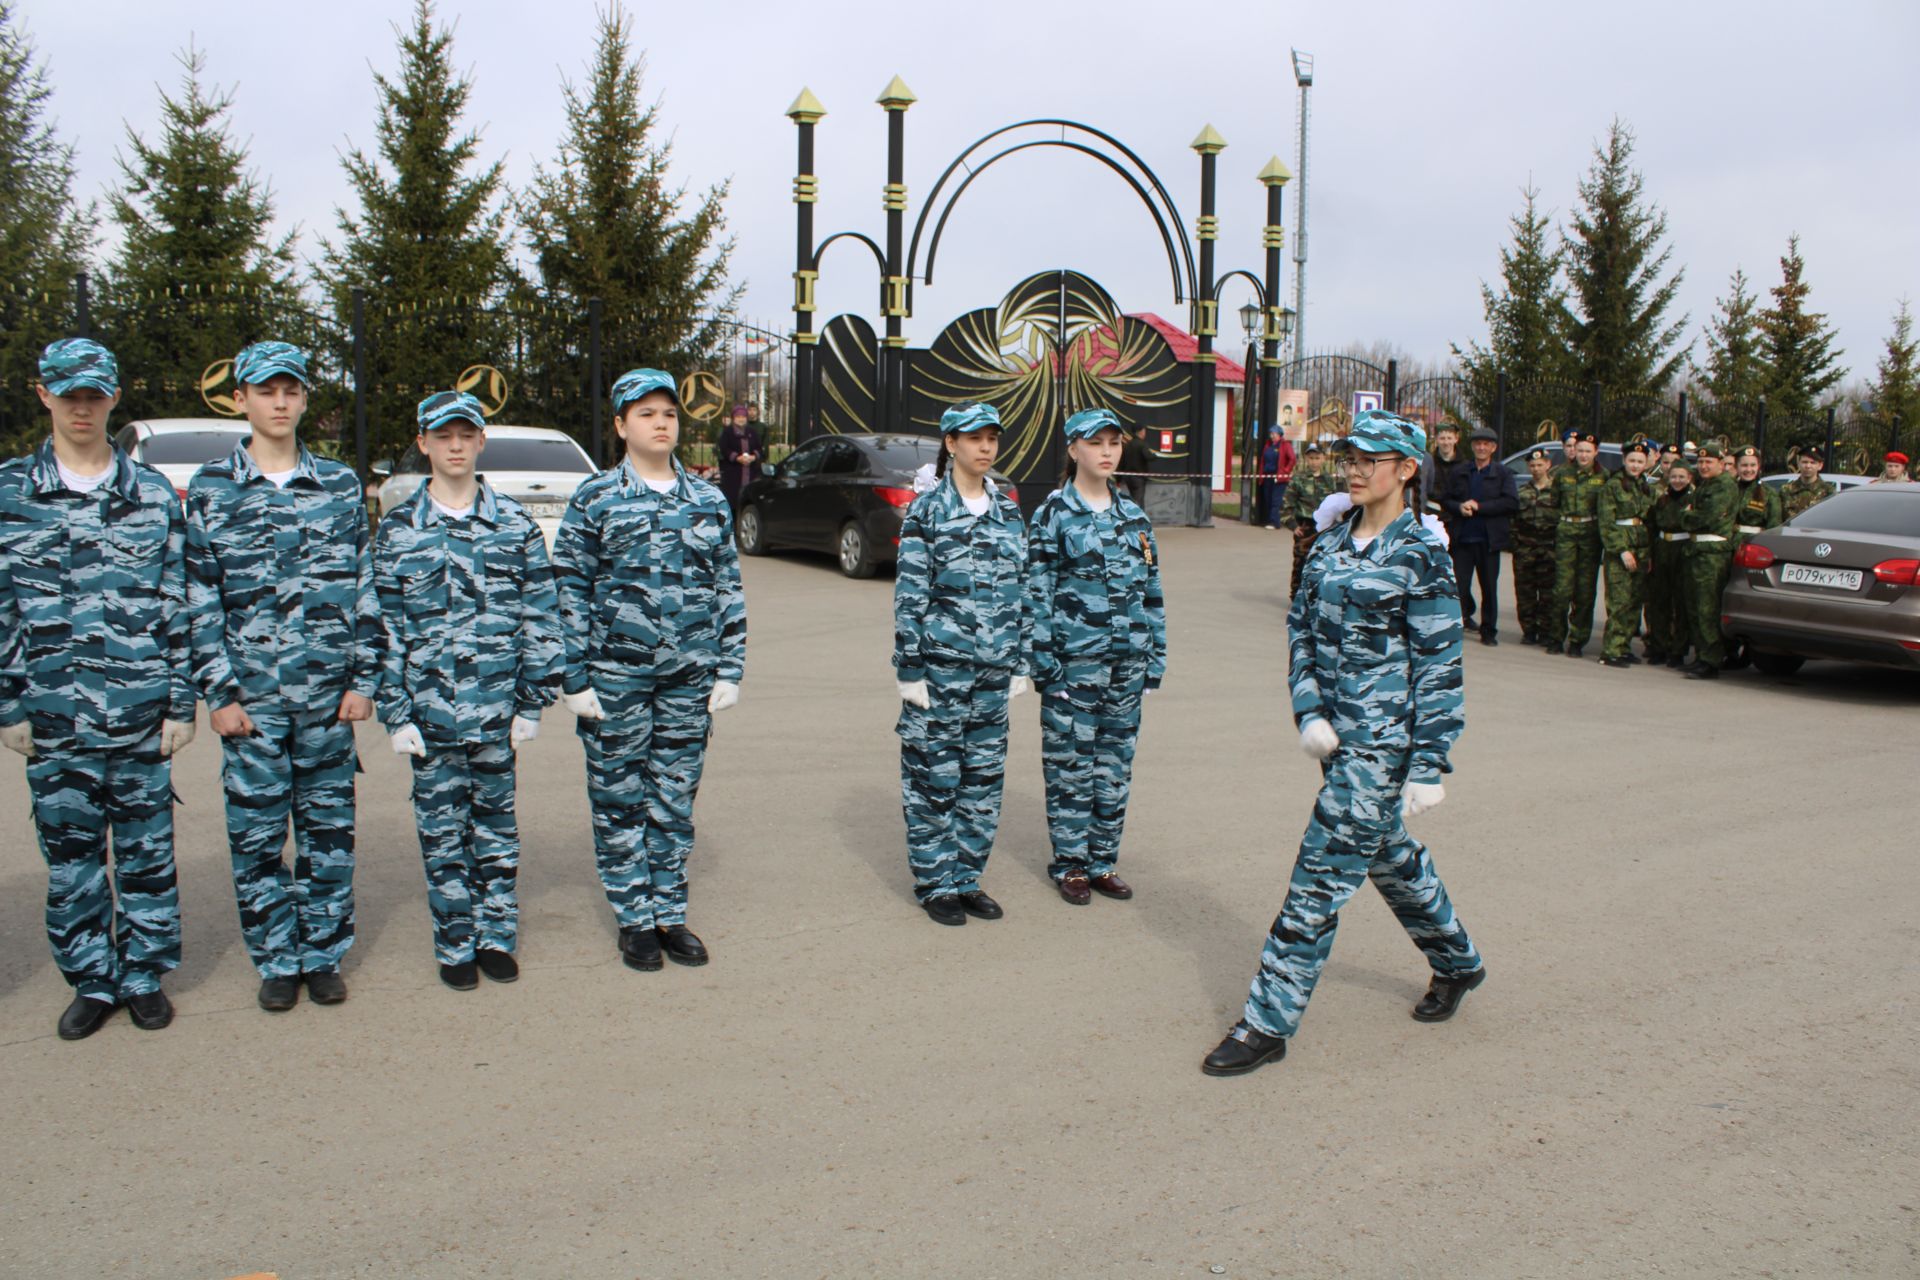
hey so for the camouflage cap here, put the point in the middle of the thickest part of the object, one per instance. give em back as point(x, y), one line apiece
point(969, 416)
point(72, 363)
point(444, 408)
point(1713, 449)
point(1377, 431)
point(263, 360)
point(1087, 423)
point(634, 383)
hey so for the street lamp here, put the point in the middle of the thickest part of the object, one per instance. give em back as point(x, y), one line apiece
point(1250, 319)
point(1284, 328)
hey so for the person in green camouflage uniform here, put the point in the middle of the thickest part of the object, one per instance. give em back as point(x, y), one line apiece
point(1666, 582)
point(1709, 518)
point(1535, 526)
point(1626, 544)
point(1576, 568)
point(1760, 507)
point(1309, 487)
point(1806, 488)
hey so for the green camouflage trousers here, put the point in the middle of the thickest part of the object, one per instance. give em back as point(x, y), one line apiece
point(1626, 596)
point(1533, 564)
point(1708, 566)
point(1576, 578)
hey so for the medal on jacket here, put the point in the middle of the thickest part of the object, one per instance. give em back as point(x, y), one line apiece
point(1146, 548)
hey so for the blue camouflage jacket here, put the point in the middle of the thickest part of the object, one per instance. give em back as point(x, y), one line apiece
point(93, 608)
point(1374, 643)
point(959, 591)
point(280, 584)
point(649, 582)
point(469, 621)
point(1093, 586)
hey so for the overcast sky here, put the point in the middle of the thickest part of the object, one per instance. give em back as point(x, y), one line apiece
point(1755, 120)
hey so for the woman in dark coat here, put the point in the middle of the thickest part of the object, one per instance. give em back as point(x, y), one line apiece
point(738, 452)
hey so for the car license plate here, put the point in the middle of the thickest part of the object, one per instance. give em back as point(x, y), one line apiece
point(1807, 575)
point(549, 509)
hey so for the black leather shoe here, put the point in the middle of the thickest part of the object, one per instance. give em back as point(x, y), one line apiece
point(1490, 640)
point(1655, 658)
point(1676, 663)
point(1576, 650)
point(84, 1017)
point(945, 909)
point(1445, 994)
point(1528, 638)
point(978, 905)
point(499, 966)
point(277, 995)
point(1553, 646)
point(1616, 661)
point(325, 986)
point(1236, 1056)
point(681, 946)
point(1703, 671)
point(1631, 660)
point(150, 1010)
point(640, 948)
point(461, 977)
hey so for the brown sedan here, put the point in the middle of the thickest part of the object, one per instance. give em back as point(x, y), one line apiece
point(1842, 580)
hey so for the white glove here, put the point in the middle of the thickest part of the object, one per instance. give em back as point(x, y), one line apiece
point(725, 694)
point(1019, 685)
point(406, 741)
point(1418, 797)
point(1318, 739)
point(18, 737)
point(914, 693)
point(522, 730)
point(174, 734)
point(585, 704)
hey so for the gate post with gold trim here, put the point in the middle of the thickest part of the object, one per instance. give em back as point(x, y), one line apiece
point(805, 112)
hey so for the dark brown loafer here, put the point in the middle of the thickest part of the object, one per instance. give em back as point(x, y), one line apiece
point(1111, 886)
point(1073, 887)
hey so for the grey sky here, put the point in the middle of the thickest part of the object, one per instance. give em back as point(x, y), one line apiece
point(1754, 120)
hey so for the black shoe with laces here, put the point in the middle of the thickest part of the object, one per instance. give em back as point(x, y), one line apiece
point(978, 905)
point(681, 946)
point(945, 909)
point(1445, 994)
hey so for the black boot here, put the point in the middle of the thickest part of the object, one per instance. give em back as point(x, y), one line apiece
point(1703, 671)
point(1617, 661)
point(978, 905)
point(1242, 1051)
point(1553, 646)
point(461, 977)
point(1575, 650)
point(325, 986)
point(640, 948)
point(499, 966)
point(1445, 994)
point(84, 1017)
point(150, 1010)
point(945, 908)
point(277, 995)
point(681, 946)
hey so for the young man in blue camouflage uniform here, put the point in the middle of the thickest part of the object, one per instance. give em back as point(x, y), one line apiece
point(655, 632)
point(1374, 639)
point(959, 637)
point(1098, 646)
point(471, 648)
point(286, 652)
point(95, 688)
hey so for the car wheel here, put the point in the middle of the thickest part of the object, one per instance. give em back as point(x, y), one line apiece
point(1776, 664)
point(750, 533)
point(856, 557)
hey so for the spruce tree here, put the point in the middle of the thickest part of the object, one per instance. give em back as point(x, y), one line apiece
point(1801, 362)
point(1736, 369)
point(1619, 334)
point(1526, 325)
point(1895, 390)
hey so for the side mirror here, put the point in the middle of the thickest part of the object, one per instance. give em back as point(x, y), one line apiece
point(768, 469)
point(382, 468)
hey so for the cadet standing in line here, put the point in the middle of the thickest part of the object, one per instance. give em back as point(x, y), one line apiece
point(1758, 507)
point(95, 688)
point(1709, 517)
point(1893, 469)
point(1536, 525)
point(1098, 640)
point(1667, 455)
point(1627, 545)
point(286, 652)
point(1806, 488)
point(655, 631)
point(471, 654)
point(1576, 566)
point(1374, 646)
point(1309, 487)
point(1667, 634)
point(959, 652)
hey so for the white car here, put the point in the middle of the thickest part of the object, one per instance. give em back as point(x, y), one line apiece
point(535, 466)
point(178, 447)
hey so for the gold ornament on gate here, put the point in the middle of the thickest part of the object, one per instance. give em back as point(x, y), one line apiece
point(702, 396)
point(221, 402)
point(1548, 430)
point(487, 384)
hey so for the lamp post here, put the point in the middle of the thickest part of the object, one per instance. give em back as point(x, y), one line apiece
point(894, 99)
point(1250, 320)
point(1279, 319)
point(1206, 230)
point(805, 112)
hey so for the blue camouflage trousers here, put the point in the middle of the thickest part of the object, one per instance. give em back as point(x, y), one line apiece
point(1089, 722)
point(953, 760)
point(643, 771)
point(1356, 834)
point(298, 765)
point(463, 807)
point(78, 798)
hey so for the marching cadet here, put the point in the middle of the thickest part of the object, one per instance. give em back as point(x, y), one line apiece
point(655, 632)
point(1806, 488)
point(1536, 525)
point(1667, 633)
point(471, 651)
point(1576, 557)
point(1305, 492)
point(286, 652)
point(95, 688)
point(1709, 517)
point(1098, 641)
point(1893, 469)
point(1626, 543)
point(959, 641)
point(1374, 643)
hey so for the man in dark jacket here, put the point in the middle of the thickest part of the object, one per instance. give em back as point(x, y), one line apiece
point(738, 453)
point(1479, 499)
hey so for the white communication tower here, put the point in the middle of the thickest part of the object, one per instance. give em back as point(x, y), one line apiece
point(1302, 76)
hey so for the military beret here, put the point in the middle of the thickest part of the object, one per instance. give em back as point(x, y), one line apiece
point(444, 408)
point(72, 363)
point(1539, 455)
point(1670, 448)
point(1813, 451)
point(971, 416)
point(1377, 431)
point(1638, 446)
point(1897, 456)
point(634, 383)
point(1713, 449)
point(1748, 452)
point(1587, 437)
point(1085, 424)
point(263, 360)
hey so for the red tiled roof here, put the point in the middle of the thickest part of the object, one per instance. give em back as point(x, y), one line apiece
point(1185, 345)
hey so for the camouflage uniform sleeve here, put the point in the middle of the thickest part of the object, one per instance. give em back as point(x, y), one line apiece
point(539, 635)
point(1309, 701)
point(1776, 509)
point(732, 602)
point(910, 593)
point(576, 564)
point(1156, 606)
point(395, 704)
point(1043, 555)
point(173, 603)
point(13, 648)
point(1434, 680)
point(364, 677)
point(207, 612)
